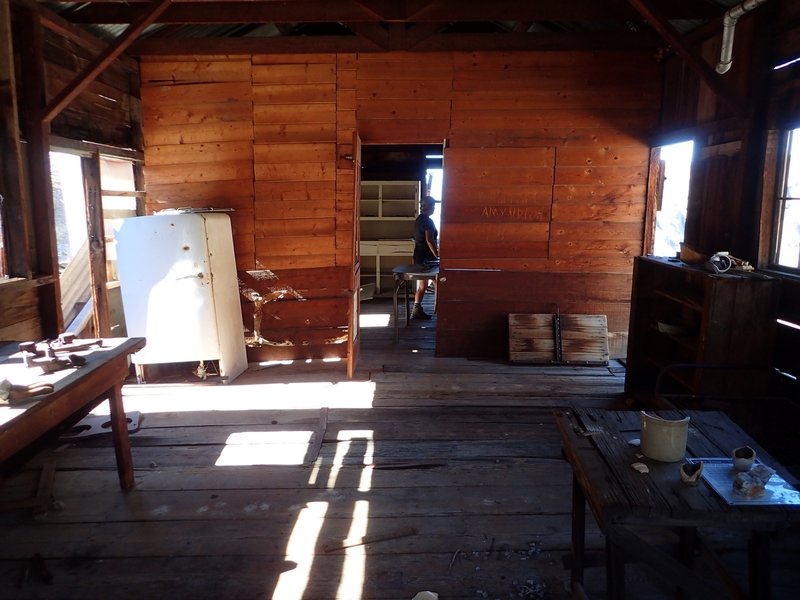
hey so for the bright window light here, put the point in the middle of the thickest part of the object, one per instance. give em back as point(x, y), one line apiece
point(788, 324)
point(787, 64)
point(787, 239)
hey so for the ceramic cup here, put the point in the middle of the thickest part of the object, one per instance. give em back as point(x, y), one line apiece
point(743, 458)
point(691, 472)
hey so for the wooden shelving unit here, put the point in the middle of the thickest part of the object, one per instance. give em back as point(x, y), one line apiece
point(683, 315)
point(387, 213)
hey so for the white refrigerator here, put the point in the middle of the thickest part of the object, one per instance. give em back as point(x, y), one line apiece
point(180, 290)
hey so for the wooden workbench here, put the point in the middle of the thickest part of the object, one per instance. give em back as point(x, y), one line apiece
point(629, 506)
point(75, 390)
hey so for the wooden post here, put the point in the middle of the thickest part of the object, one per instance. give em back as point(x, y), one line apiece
point(34, 100)
point(97, 244)
point(15, 216)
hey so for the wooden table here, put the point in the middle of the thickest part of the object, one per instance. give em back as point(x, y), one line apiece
point(76, 390)
point(403, 276)
point(626, 503)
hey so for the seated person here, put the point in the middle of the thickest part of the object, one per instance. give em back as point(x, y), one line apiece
point(426, 250)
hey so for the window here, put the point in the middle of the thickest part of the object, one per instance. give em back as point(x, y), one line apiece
point(786, 246)
point(3, 262)
point(119, 202)
point(69, 206)
point(676, 167)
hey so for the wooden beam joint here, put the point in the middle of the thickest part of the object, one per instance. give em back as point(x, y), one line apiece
point(696, 62)
point(103, 60)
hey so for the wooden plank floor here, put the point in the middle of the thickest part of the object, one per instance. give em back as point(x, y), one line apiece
point(449, 469)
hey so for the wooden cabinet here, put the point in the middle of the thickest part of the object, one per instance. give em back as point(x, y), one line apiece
point(387, 213)
point(684, 315)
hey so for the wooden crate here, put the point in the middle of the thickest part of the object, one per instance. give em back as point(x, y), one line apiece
point(556, 338)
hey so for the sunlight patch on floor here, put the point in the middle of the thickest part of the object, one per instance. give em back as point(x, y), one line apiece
point(300, 550)
point(345, 439)
point(374, 320)
point(250, 448)
point(154, 398)
point(355, 559)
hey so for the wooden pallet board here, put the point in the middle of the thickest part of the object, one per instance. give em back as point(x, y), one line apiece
point(557, 338)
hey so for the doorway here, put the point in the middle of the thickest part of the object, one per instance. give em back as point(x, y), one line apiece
point(393, 179)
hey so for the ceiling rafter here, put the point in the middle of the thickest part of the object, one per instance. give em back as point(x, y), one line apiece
point(99, 64)
point(445, 42)
point(398, 36)
point(371, 32)
point(238, 11)
point(384, 25)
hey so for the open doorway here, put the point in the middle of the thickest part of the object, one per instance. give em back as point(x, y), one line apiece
point(393, 179)
point(675, 165)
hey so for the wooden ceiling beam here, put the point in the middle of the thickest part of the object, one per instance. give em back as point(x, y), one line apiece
point(105, 58)
point(556, 10)
point(253, 45)
point(695, 61)
point(387, 10)
point(321, 11)
point(83, 38)
point(312, 11)
point(445, 42)
point(372, 32)
point(419, 32)
point(399, 36)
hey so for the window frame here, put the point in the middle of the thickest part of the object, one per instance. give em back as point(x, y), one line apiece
point(787, 137)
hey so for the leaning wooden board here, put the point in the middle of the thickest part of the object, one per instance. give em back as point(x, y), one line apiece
point(558, 338)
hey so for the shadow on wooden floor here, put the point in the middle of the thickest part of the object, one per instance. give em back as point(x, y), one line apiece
point(422, 473)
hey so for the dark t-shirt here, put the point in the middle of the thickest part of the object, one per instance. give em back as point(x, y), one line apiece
point(422, 252)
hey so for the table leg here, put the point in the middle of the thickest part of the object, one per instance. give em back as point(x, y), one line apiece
point(578, 531)
point(406, 283)
point(687, 537)
point(615, 570)
point(397, 282)
point(760, 576)
point(119, 431)
point(436, 295)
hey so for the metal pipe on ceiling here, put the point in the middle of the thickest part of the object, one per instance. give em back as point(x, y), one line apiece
point(728, 28)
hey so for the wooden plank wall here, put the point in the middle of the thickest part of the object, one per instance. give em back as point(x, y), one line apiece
point(404, 97)
point(545, 180)
point(19, 314)
point(198, 135)
point(544, 191)
point(259, 135)
point(295, 124)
